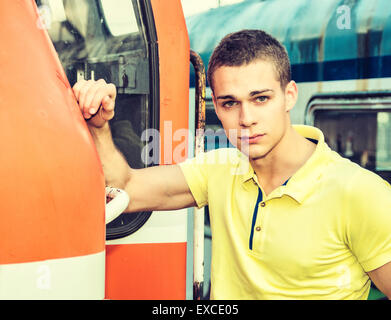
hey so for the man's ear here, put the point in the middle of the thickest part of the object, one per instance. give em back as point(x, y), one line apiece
point(291, 95)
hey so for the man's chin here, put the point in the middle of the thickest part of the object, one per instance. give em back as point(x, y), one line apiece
point(253, 155)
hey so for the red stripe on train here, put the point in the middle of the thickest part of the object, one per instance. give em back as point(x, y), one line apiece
point(150, 271)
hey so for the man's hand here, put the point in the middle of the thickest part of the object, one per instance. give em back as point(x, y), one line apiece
point(96, 101)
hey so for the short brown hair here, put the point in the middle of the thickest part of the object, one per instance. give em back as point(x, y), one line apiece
point(242, 47)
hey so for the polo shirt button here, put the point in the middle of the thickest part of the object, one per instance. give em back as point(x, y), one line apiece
point(258, 228)
point(263, 204)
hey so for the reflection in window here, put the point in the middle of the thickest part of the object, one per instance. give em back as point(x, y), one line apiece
point(57, 11)
point(383, 145)
point(361, 136)
point(78, 29)
point(119, 16)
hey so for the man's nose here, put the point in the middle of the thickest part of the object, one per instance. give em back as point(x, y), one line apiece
point(246, 117)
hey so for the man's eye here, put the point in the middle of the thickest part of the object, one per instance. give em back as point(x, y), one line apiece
point(229, 104)
point(261, 99)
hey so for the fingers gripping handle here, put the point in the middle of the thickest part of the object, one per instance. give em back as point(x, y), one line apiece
point(117, 201)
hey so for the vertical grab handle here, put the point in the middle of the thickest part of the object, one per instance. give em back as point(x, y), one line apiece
point(117, 201)
point(199, 214)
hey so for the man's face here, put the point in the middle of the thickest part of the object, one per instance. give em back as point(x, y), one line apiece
point(251, 104)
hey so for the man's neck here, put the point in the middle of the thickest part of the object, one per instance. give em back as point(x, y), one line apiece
point(287, 157)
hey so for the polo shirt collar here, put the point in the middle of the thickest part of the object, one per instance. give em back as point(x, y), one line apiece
point(302, 182)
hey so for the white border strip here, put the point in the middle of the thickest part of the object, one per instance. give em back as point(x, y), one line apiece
point(75, 278)
point(161, 227)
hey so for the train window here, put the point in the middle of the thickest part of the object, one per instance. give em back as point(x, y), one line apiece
point(112, 40)
point(119, 17)
point(357, 128)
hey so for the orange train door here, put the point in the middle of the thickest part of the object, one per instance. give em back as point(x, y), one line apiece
point(142, 47)
point(151, 262)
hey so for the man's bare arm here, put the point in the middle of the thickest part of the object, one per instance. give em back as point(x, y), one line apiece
point(153, 188)
point(158, 188)
point(381, 277)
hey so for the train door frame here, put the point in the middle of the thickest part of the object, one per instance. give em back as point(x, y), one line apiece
point(151, 41)
point(152, 262)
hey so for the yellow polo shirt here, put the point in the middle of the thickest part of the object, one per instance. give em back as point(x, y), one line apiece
point(314, 237)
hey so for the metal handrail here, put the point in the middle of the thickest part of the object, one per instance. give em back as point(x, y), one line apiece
point(199, 214)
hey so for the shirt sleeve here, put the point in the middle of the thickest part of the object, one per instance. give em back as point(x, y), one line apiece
point(369, 219)
point(196, 174)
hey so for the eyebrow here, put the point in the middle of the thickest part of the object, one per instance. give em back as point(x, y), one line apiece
point(252, 93)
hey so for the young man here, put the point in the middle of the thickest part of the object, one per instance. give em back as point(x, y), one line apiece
point(291, 219)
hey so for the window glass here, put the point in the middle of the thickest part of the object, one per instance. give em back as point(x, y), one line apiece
point(383, 141)
point(119, 16)
point(87, 49)
point(361, 135)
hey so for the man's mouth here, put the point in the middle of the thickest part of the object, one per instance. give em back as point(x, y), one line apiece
point(252, 139)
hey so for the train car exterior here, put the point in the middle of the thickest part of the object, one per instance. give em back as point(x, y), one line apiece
point(130, 43)
point(340, 58)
